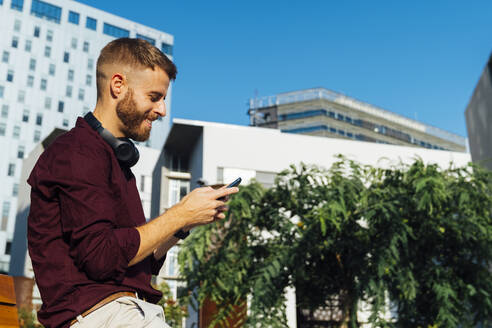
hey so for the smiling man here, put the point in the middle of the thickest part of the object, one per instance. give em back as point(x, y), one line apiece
point(92, 251)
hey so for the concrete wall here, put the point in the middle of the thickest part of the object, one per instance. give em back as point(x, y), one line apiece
point(261, 149)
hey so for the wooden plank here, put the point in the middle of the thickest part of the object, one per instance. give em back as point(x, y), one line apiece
point(8, 316)
point(7, 291)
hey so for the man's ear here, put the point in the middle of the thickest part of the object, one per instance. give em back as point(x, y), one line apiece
point(118, 85)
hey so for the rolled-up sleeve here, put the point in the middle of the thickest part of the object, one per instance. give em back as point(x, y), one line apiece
point(102, 243)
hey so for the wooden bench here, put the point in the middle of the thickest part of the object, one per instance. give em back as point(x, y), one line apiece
point(8, 310)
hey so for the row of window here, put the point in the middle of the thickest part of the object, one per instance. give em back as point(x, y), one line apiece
point(51, 71)
point(21, 95)
point(351, 135)
point(47, 53)
point(25, 113)
point(17, 130)
point(50, 12)
point(49, 38)
point(333, 130)
point(378, 128)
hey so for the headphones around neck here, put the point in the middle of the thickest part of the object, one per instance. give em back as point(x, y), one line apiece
point(126, 152)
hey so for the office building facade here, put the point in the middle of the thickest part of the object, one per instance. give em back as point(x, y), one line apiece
point(479, 119)
point(49, 51)
point(322, 112)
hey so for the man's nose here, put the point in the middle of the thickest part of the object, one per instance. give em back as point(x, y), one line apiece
point(161, 108)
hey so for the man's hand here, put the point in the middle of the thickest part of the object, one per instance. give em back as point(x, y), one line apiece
point(201, 206)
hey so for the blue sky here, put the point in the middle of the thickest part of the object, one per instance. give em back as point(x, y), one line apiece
point(420, 59)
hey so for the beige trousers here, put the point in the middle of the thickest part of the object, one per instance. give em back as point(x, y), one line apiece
point(124, 312)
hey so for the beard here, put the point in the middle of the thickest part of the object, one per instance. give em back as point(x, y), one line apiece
point(127, 112)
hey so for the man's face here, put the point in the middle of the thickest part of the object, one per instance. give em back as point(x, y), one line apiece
point(143, 103)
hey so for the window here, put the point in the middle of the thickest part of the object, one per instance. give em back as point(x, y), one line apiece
point(15, 190)
point(81, 94)
point(16, 132)
point(47, 51)
point(39, 119)
point(25, 116)
point(74, 43)
point(61, 104)
point(73, 17)
point(32, 64)
point(49, 36)
point(30, 81)
point(115, 31)
point(5, 111)
point(167, 49)
point(37, 135)
point(20, 151)
point(66, 57)
point(5, 214)
point(88, 80)
point(15, 42)
point(47, 103)
point(10, 75)
point(17, 4)
point(70, 75)
point(8, 247)
point(5, 56)
point(51, 70)
point(3, 127)
point(65, 122)
point(177, 190)
point(146, 38)
point(28, 46)
point(17, 25)
point(44, 82)
point(37, 31)
point(1, 91)
point(90, 64)
point(86, 46)
point(21, 96)
point(46, 10)
point(91, 23)
point(68, 91)
point(11, 171)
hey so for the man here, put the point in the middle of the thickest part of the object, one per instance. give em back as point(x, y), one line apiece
point(92, 251)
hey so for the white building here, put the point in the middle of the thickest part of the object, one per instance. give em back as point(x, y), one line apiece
point(219, 153)
point(49, 51)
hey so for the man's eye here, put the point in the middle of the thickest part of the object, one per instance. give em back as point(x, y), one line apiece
point(154, 99)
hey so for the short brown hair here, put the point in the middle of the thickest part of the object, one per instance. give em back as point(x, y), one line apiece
point(134, 53)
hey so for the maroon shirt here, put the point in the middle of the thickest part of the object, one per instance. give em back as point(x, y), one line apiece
point(81, 227)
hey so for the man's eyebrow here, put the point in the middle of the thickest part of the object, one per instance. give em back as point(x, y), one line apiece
point(156, 93)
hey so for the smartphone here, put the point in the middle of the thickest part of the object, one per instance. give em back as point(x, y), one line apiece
point(234, 183)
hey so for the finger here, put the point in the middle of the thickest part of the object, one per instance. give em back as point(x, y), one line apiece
point(218, 203)
point(223, 208)
point(219, 216)
point(222, 192)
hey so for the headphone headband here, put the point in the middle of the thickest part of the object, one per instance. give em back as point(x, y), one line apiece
point(126, 152)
